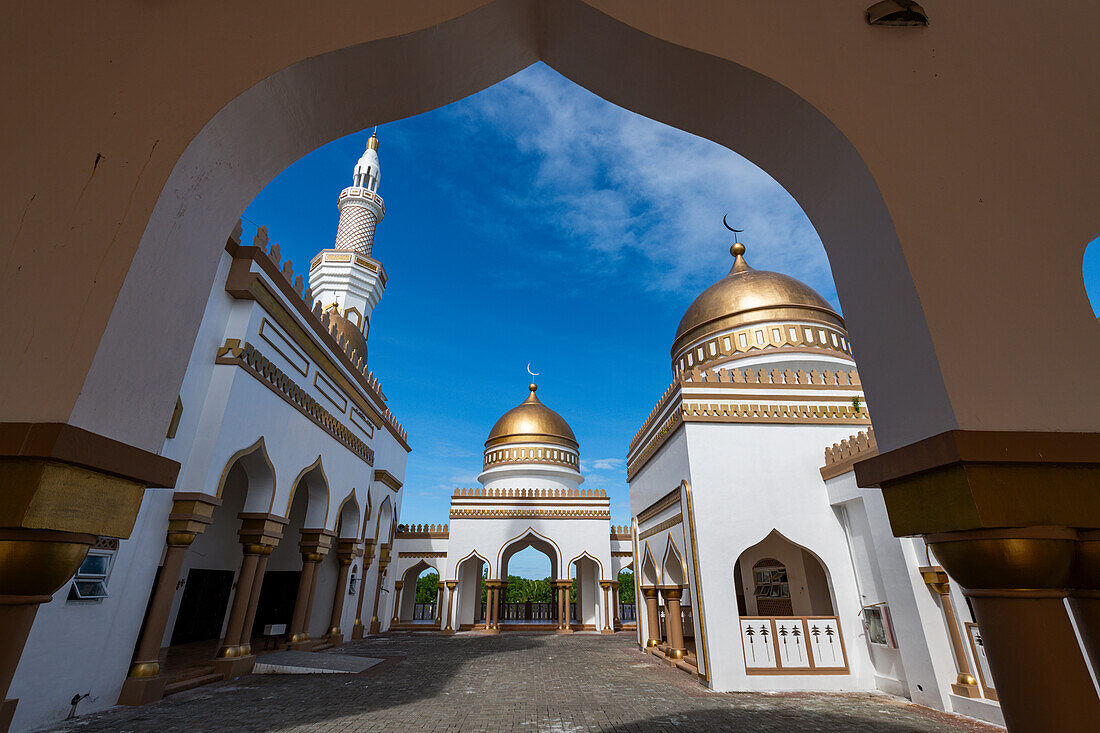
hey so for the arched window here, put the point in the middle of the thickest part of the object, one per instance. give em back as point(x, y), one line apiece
point(772, 589)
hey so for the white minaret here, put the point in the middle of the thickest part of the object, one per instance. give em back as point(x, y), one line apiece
point(346, 278)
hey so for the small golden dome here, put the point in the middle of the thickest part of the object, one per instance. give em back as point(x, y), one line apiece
point(747, 296)
point(349, 331)
point(531, 422)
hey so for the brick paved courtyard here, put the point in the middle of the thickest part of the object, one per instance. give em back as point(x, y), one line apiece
point(510, 682)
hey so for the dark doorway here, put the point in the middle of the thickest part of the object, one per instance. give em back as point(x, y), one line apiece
point(202, 608)
point(277, 596)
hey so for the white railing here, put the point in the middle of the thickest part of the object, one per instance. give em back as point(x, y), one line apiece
point(793, 645)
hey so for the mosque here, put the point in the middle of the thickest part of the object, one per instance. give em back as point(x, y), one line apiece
point(758, 562)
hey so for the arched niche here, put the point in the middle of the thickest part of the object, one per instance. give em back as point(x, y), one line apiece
point(529, 538)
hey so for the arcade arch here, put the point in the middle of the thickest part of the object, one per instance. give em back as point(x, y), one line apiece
point(919, 367)
point(777, 577)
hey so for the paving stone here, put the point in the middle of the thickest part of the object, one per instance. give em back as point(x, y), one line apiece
point(510, 682)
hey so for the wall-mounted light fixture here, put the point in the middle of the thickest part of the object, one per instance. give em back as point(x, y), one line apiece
point(897, 13)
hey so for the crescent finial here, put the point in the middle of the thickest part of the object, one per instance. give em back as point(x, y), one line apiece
point(533, 374)
point(735, 231)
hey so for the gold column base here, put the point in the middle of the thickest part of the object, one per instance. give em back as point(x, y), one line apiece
point(228, 651)
point(447, 632)
point(335, 639)
point(144, 669)
point(357, 630)
point(676, 653)
point(564, 631)
point(141, 690)
point(607, 631)
point(653, 642)
point(299, 637)
point(376, 626)
point(246, 649)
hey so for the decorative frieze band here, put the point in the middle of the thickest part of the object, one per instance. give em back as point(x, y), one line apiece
point(458, 513)
point(754, 339)
point(531, 493)
point(421, 555)
point(671, 522)
point(252, 361)
point(620, 553)
point(533, 454)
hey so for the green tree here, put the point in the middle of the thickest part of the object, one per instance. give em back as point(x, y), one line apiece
point(626, 586)
point(427, 587)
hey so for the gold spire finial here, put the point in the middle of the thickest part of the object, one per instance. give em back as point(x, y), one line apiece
point(737, 249)
point(372, 143)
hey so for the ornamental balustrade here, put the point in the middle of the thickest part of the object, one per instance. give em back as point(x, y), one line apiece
point(687, 622)
point(627, 612)
point(424, 611)
point(793, 645)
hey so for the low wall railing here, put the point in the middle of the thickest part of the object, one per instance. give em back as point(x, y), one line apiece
point(793, 645)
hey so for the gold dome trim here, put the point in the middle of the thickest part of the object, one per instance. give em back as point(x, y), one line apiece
point(747, 296)
point(531, 422)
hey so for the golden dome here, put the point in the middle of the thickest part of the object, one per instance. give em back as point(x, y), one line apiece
point(349, 331)
point(747, 296)
point(531, 422)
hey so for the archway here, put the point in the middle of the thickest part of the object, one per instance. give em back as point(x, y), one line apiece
point(525, 601)
point(211, 567)
point(588, 609)
point(288, 594)
point(558, 31)
point(470, 575)
point(419, 594)
point(627, 596)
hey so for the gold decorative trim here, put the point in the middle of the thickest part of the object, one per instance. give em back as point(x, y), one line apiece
point(671, 522)
point(256, 364)
point(705, 674)
point(361, 421)
point(674, 422)
point(530, 494)
point(530, 513)
point(505, 456)
point(294, 357)
point(672, 498)
point(841, 457)
point(421, 555)
point(621, 553)
point(386, 478)
point(760, 337)
point(336, 398)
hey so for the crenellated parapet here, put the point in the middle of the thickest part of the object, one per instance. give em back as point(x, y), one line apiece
point(422, 531)
point(841, 457)
point(531, 493)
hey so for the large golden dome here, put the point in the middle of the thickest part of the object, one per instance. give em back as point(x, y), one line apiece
point(747, 296)
point(531, 422)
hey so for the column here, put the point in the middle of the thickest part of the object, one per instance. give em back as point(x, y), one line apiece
point(191, 512)
point(450, 605)
point(615, 604)
point(397, 585)
point(346, 551)
point(230, 647)
point(606, 585)
point(439, 602)
point(383, 563)
point(674, 622)
point(314, 545)
point(492, 590)
point(563, 587)
point(368, 556)
point(653, 621)
point(1016, 582)
point(245, 642)
point(965, 684)
point(1005, 513)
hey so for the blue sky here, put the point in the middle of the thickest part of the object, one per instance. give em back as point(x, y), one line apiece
point(535, 222)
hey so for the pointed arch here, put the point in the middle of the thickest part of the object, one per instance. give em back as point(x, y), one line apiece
point(386, 503)
point(586, 554)
point(673, 567)
point(348, 512)
point(650, 575)
point(316, 483)
point(256, 463)
point(803, 579)
point(472, 553)
point(531, 538)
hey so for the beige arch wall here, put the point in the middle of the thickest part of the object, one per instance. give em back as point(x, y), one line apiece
point(981, 145)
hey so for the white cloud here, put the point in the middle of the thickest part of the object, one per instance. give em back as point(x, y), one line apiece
point(619, 185)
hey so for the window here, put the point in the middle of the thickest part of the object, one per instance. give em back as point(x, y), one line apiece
point(876, 621)
point(771, 581)
point(90, 581)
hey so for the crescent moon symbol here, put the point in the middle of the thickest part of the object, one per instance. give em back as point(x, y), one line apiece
point(735, 231)
point(533, 374)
